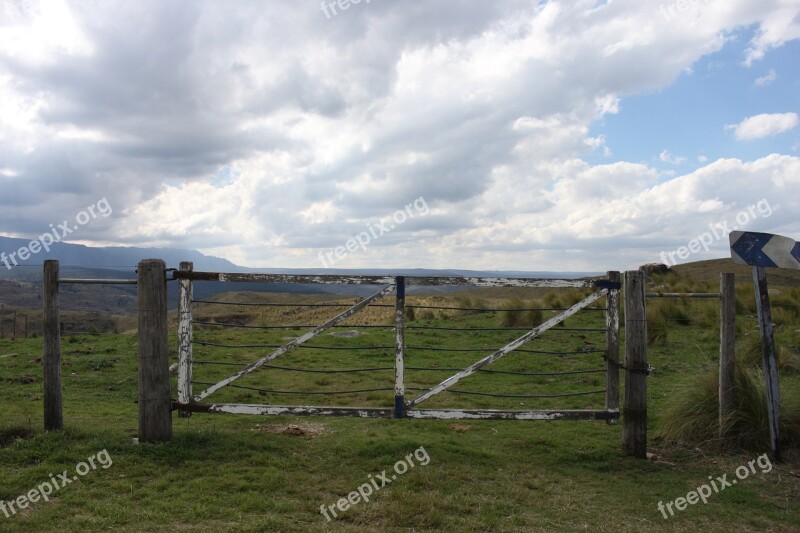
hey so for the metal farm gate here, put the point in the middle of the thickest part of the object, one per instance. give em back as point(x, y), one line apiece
point(189, 401)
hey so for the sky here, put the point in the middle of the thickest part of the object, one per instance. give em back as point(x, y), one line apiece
point(554, 135)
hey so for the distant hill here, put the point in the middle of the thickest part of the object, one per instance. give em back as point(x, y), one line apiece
point(710, 270)
point(429, 272)
point(96, 259)
point(113, 257)
point(21, 286)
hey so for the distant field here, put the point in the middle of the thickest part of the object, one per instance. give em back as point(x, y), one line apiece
point(238, 473)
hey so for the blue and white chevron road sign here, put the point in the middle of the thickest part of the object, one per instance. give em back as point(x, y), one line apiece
point(764, 250)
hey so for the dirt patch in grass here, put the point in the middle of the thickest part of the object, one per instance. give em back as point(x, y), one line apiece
point(307, 431)
point(9, 435)
point(22, 379)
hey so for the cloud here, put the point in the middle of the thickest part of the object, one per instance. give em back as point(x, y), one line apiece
point(777, 27)
point(265, 135)
point(767, 79)
point(765, 125)
point(667, 157)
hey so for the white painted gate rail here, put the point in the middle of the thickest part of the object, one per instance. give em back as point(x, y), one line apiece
point(188, 402)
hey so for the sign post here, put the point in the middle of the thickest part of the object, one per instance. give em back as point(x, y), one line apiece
point(762, 251)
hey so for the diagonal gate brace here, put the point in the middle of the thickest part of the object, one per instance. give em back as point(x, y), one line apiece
point(295, 343)
point(513, 345)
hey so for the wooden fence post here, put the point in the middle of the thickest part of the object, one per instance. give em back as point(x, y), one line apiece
point(155, 404)
point(634, 429)
point(771, 386)
point(51, 362)
point(727, 347)
point(399, 366)
point(185, 335)
point(612, 346)
point(14, 327)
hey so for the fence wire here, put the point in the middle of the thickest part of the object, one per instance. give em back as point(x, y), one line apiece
point(388, 350)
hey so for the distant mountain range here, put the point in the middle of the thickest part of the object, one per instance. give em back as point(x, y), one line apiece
point(21, 285)
point(114, 257)
point(78, 256)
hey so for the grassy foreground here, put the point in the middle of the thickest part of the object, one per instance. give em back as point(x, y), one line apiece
point(236, 473)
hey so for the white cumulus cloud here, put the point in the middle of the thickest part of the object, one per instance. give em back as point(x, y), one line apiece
point(767, 79)
point(765, 125)
point(667, 157)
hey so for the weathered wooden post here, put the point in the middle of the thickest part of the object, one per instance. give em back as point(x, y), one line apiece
point(727, 347)
point(155, 404)
point(399, 365)
point(51, 361)
point(634, 428)
point(771, 386)
point(185, 335)
point(14, 327)
point(761, 251)
point(612, 346)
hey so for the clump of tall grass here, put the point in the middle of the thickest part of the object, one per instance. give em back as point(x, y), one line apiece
point(706, 313)
point(669, 312)
point(573, 296)
point(745, 299)
point(511, 314)
point(551, 299)
point(748, 424)
point(471, 304)
point(656, 328)
point(783, 316)
point(425, 314)
point(749, 353)
point(693, 415)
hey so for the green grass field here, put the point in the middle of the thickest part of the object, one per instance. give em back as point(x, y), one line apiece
point(245, 473)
